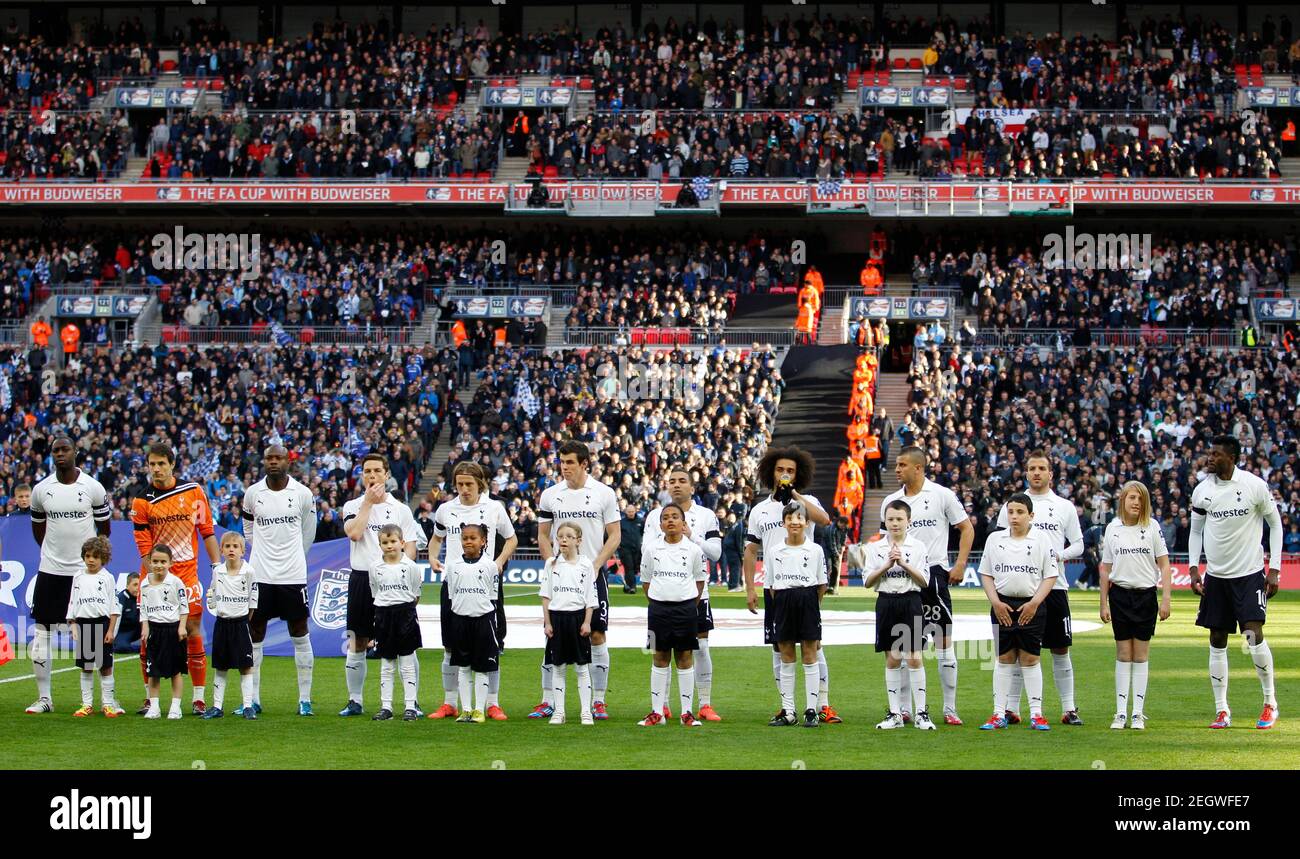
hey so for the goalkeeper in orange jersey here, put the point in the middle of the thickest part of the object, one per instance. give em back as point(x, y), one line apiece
point(169, 513)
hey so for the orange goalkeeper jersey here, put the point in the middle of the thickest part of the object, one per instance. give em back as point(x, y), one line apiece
point(170, 517)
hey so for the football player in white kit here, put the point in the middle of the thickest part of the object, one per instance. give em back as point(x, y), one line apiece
point(787, 472)
point(471, 506)
point(592, 506)
point(68, 508)
point(1057, 519)
point(1229, 509)
point(703, 530)
point(363, 518)
point(935, 510)
point(280, 526)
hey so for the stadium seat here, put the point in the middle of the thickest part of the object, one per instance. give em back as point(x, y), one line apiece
point(914, 64)
point(636, 336)
point(900, 63)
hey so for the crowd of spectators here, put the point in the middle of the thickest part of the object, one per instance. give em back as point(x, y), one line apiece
point(1079, 145)
point(1186, 283)
point(590, 395)
point(1157, 66)
point(394, 145)
point(63, 145)
point(219, 408)
point(1105, 416)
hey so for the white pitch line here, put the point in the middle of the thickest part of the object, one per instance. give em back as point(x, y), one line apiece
point(33, 676)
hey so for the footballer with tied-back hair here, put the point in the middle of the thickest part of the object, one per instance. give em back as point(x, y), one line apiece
point(786, 472)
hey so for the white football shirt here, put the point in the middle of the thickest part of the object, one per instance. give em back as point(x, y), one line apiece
point(672, 569)
point(801, 566)
point(488, 512)
point(1017, 565)
point(895, 580)
point(1230, 516)
point(229, 593)
point(705, 533)
point(472, 586)
point(569, 586)
point(935, 510)
point(1131, 550)
point(1057, 519)
point(591, 508)
point(766, 527)
point(69, 511)
point(280, 526)
point(395, 584)
point(163, 602)
point(365, 553)
point(93, 597)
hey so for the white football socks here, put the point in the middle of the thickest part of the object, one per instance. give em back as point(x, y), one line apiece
point(108, 690)
point(387, 672)
point(1219, 677)
point(686, 688)
point(219, 689)
point(354, 670)
point(304, 661)
point(1139, 672)
point(558, 677)
point(584, 688)
point(947, 659)
point(1263, 659)
point(1015, 689)
point(704, 673)
point(917, 678)
point(1001, 683)
point(40, 654)
point(257, 670)
point(658, 688)
point(811, 683)
point(87, 688)
point(451, 681)
point(787, 687)
point(599, 671)
point(1063, 674)
point(494, 688)
point(823, 680)
point(1123, 680)
point(547, 683)
point(409, 669)
point(1034, 687)
point(893, 685)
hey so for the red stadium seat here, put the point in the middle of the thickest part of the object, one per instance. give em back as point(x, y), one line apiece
point(652, 337)
point(900, 63)
point(683, 336)
point(636, 336)
point(307, 335)
point(169, 333)
point(914, 64)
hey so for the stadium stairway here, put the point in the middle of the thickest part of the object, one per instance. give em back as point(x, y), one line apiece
point(439, 455)
point(830, 327)
point(891, 395)
point(814, 409)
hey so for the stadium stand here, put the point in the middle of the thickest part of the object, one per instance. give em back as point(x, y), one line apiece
point(1106, 416)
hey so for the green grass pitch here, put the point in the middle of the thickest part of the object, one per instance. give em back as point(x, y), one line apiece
point(1179, 708)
